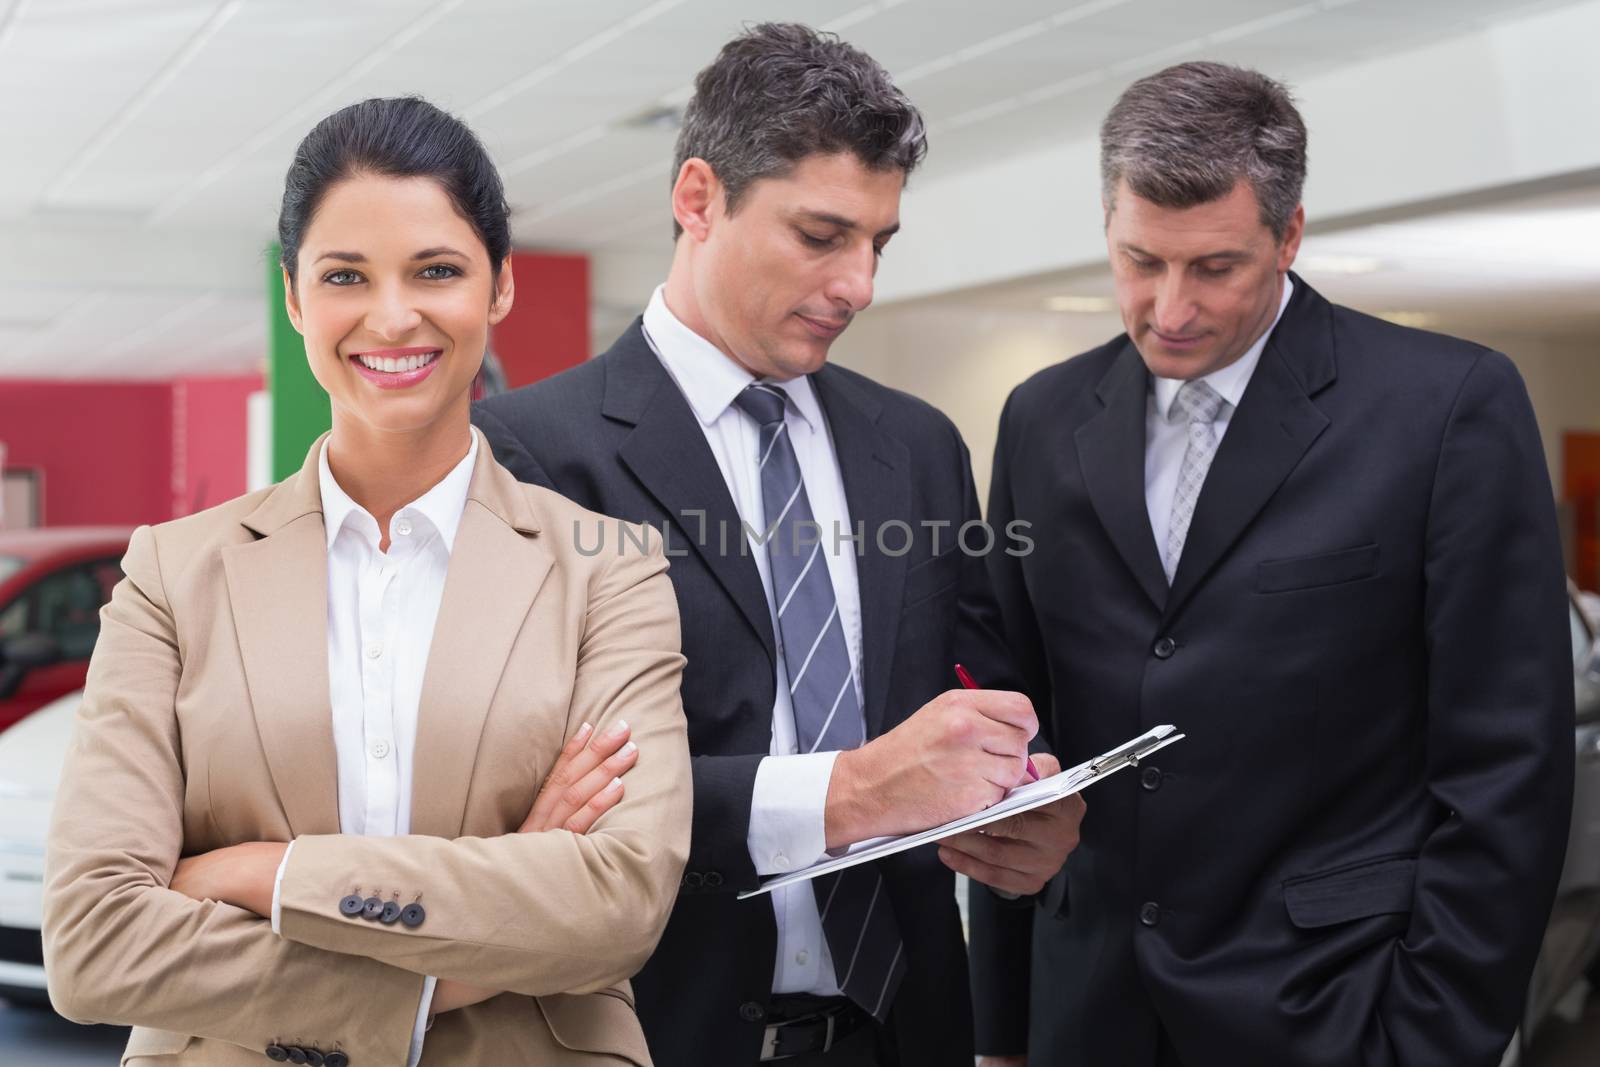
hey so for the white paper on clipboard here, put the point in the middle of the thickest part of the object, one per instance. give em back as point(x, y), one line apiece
point(1023, 798)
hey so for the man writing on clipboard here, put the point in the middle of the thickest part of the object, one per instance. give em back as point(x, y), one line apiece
point(719, 407)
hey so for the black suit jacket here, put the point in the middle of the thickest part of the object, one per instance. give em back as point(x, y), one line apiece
point(1352, 857)
point(616, 435)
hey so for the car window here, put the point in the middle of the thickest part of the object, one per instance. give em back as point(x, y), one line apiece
point(66, 605)
point(14, 616)
point(10, 565)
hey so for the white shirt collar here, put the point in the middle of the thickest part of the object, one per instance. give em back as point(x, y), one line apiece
point(708, 379)
point(1230, 381)
point(442, 506)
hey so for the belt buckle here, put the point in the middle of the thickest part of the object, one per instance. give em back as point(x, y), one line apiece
point(827, 1041)
point(769, 1043)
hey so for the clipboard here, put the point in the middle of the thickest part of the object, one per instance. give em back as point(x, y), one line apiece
point(1023, 798)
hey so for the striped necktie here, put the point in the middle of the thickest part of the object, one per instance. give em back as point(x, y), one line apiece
point(857, 917)
point(1200, 404)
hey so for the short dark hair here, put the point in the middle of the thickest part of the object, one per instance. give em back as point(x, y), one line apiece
point(780, 92)
point(1187, 135)
point(398, 137)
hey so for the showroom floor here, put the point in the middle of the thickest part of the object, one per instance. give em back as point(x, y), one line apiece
point(34, 1038)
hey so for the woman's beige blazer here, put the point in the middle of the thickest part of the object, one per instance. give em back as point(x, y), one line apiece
point(206, 722)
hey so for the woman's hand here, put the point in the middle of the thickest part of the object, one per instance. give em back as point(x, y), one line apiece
point(585, 783)
point(241, 875)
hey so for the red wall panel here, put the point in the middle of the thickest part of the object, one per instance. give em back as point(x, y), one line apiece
point(209, 444)
point(548, 328)
point(128, 452)
point(105, 447)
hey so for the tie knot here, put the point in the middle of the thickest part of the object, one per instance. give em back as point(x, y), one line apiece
point(762, 402)
point(1198, 402)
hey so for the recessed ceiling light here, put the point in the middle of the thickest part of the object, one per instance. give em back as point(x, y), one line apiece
point(657, 117)
point(1334, 263)
point(1082, 305)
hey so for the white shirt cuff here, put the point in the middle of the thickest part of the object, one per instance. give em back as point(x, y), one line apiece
point(787, 812)
point(277, 887)
point(420, 1027)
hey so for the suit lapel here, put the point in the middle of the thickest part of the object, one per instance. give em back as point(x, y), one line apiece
point(1275, 424)
point(1111, 457)
point(877, 488)
point(667, 452)
point(497, 566)
point(278, 593)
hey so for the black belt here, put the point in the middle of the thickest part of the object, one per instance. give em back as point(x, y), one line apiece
point(822, 1022)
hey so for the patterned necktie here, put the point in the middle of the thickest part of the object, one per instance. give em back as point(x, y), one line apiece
point(1199, 404)
point(857, 918)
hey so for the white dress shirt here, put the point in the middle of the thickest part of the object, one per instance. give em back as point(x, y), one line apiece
point(1166, 440)
point(791, 788)
point(381, 612)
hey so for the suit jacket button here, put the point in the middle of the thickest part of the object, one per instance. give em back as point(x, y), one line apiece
point(713, 879)
point(336, 1059)
point(751, 1012)
point(413, 915)
point(277, 1054)
point(371, 908)
point(693, 880)
point(1150, 914)
point(391, 912)
point(1150, 778)
point(351, 905)
point(315, 1058)
point(296, 1054)
point(1164, 648)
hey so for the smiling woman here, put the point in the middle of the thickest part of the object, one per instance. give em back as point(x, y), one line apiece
point(396, 264)
point(367, 730)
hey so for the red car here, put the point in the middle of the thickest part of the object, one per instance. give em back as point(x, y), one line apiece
point(52, 585)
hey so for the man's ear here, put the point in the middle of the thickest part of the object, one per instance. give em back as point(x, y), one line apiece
point(1292, 233)
point(291, 303)
point(693, 196)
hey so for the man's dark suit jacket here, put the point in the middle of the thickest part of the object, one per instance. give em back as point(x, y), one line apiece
point(1352, 856)
point(616, 435)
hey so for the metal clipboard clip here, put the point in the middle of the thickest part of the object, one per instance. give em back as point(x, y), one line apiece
point(1131, 753)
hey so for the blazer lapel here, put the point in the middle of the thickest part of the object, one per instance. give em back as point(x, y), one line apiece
point(278, 593)
point(1275, 424)
point(497, 566)
point(667, 452)
point(1111, 458)
point(877, 488)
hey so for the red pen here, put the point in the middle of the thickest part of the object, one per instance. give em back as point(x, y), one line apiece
point(968, 683)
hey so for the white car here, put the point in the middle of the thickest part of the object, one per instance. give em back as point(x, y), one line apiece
point(31, 755)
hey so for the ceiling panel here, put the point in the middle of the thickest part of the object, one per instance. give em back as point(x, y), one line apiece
point(47, 55)
point(156, 132)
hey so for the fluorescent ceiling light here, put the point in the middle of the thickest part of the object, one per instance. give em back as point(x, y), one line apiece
point(1082, 305)
point(1418, 319)
point(1335, 263)
point(861, 14)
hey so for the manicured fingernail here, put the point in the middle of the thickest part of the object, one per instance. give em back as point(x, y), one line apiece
point(628, 749)
point(585, 730)
point(616, 783)
point(618, 728)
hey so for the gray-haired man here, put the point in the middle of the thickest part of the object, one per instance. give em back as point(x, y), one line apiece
point(816, 664)
point(1324, 546)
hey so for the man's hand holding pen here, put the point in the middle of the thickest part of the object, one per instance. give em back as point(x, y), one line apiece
point(956, 755)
